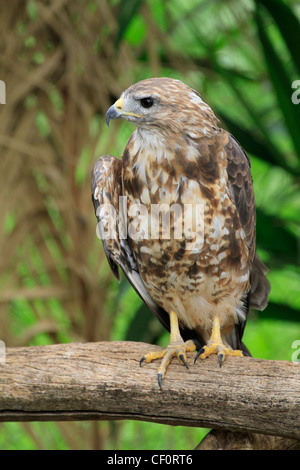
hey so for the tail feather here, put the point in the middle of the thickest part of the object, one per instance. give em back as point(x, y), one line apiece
point(260, 286)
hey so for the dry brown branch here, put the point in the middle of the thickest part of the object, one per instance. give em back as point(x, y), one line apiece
point(104, 381)
point(58, 78)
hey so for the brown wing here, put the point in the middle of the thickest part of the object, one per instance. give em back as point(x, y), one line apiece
point(241, 187)
point(106, 190)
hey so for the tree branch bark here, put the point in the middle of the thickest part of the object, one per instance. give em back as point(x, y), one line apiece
point(104, 381)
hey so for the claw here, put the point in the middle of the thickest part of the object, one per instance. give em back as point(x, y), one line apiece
point(142, 360)
point(177, 347)
point(216, 346)
point(201, 351)
point(182, 358)
point(159, 379)
point(220, 359)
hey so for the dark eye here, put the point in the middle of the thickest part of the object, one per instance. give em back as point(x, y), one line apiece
point(147, 102)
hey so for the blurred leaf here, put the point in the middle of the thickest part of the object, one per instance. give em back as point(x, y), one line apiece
point(42, 123)
point(126, 12)
point(30, 101)
point(280, 312)
point(30, 41)
point(287, 23)
point(281, 82)
point(273, 236)
point(256, 145)
point(39, 57)
point(232, 77)
point(56, 100)
point(32, 10)
point(144, 327)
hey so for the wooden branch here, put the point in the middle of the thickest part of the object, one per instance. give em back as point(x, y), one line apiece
point(228, 440)
point(104, 381)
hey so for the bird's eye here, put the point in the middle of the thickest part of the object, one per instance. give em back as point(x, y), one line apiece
point(147, 102)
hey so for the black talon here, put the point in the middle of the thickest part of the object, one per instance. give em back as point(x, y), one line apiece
point(159, 378)
point(220, 359)
point(201, 351)
point(181, 357)
point(142, 360)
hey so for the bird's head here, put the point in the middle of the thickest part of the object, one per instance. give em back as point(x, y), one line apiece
point(164, 104)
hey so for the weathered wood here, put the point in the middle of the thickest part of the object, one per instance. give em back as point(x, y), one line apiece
point(228, 440)
point(104, 381)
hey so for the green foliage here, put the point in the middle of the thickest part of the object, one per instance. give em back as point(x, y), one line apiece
point(127, 12)
point(267, 125)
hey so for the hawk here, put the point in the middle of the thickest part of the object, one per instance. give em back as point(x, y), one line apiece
point(197, 270)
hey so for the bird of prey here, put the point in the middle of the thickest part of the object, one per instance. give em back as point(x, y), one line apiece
point(198, 275)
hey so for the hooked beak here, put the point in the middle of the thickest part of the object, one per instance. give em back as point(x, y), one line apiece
point(116, 112)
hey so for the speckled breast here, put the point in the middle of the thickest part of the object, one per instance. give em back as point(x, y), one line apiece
point(183, 227)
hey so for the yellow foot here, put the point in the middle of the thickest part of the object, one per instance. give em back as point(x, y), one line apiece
point(220, 349)
point(216, 346)
point(176, 348)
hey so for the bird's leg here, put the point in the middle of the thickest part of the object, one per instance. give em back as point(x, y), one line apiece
point(215, 345)
point(177, 347)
